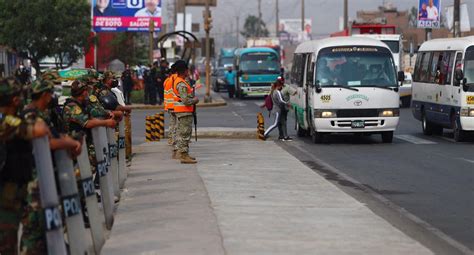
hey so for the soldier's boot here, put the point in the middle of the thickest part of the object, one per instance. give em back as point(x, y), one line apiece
point(185, 159)
point(176, 155)
point(170, 141)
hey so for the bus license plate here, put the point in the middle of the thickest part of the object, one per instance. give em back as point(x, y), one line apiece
point(358, 124)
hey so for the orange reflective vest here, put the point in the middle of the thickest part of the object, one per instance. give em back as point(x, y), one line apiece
point(169, 95)
point(178, 104)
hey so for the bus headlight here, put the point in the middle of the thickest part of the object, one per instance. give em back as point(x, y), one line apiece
point(389, 113)
point(325, 114)
point(467, 112)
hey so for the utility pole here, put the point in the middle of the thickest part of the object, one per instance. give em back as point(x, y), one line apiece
point(346, 14)
point(302, 15)
point(277, 15)
point(151, 29)
point(237, 30)
point(457, 18)
point(259, 17)
point(207, 28)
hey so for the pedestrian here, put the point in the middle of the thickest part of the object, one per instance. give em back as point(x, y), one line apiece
point(109, 86)
point(148, 80)
point(16, 171)
point(230, 81)
point(184, 106)
point(127, 81)
point(280, 111)
point(169, 97)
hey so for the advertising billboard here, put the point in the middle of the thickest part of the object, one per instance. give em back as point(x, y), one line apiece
point(290, 30)
point(429, 15)
point(125, 15)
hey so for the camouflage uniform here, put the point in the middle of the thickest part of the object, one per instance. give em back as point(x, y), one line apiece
point(33, 240)
point(185, 120)
point(18, 196)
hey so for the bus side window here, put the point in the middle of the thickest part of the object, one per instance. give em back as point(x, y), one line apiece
point(417, 71)
point(448, 61)
point(424, 67)
point(458, 65)
point(434, 68)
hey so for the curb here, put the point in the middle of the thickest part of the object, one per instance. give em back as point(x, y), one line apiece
point(217, 103)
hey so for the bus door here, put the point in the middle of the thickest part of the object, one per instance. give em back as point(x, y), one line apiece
point(308, 81)
point(457, 88)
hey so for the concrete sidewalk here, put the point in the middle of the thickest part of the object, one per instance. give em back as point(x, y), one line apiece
point(244, 197)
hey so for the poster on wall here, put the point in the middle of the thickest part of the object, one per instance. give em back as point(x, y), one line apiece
point(429, 15)
point(290, 30)
point(125, 15)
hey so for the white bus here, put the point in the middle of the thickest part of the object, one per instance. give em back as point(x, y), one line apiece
point(443, 86)
point(394, 42)
point(345, 85)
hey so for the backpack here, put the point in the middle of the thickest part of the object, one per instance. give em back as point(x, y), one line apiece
point(269, 102)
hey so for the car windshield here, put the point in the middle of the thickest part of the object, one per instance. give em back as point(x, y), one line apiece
point(220, 72)
point(469, 65)
point(260, 63)
point(393, 45)
point(226, 61)
point(355, 67)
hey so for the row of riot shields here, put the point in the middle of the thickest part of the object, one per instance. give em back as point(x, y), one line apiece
point(69, 199)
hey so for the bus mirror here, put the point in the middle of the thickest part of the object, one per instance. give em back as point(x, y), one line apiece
point(317, 87)
point(401, 76)
point(465, 87)
point(458, 75)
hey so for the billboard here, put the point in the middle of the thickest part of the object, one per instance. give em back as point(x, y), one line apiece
point(125, 15)
point(429, 15)
point(290, 30)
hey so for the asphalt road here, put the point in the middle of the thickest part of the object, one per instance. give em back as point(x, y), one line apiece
point(429, 179)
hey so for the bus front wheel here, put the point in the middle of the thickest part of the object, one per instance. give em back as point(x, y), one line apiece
point(459, 134)
point(317, 137)
point(387, 137)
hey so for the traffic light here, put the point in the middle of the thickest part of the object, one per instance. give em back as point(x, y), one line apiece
point(207, 21)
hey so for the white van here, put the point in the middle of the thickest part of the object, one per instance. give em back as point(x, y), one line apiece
point(345, 85)
point(443, 86)
point(394, 42)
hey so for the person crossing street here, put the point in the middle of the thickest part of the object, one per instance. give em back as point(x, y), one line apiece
point(183, 107)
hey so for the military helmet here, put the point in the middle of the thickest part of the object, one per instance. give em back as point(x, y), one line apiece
point(9, 86)
point(51, 75)
point(109, 75)
point(40, 86)
point(77, 88)
point(109, 102)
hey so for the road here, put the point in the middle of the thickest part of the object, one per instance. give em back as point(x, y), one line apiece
point(427, 180)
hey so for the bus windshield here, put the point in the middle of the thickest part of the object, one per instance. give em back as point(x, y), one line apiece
point(393, 45)
point(355, 67)
point(469, 66)
point(226, 61)
point(260, 63)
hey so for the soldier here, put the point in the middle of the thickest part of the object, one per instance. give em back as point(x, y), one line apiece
point(108, 83)
point(33, 223)
point(16, 170)
point(183, 107)
point(93, 105)
point(79, 118)
point(169, 107)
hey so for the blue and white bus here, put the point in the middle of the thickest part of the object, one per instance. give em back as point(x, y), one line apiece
point(443, 86)
point(257, 69)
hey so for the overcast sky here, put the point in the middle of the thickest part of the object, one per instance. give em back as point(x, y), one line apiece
point(325, 14)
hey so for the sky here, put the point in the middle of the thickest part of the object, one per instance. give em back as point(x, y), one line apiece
point(325, 14)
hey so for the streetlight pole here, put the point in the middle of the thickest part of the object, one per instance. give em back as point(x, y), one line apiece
point(277, 15)
point(346, 14)
point(457, 18)
point(151, 29)
point(302, 15)
point(207, 22)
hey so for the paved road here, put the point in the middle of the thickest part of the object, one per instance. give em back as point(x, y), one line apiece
point(432, 178)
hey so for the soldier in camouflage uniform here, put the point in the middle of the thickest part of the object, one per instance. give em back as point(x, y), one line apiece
point(80, 118)
point(33, 219)
point(16, 171)
point(183, 107)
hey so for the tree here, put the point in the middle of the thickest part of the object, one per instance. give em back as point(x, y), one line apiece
point(254, 27)
point(130, 48)
point(42, 28)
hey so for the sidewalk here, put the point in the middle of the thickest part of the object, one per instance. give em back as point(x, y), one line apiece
point(243, 197)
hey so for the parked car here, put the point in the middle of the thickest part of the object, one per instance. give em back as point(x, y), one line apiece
point(218, 79)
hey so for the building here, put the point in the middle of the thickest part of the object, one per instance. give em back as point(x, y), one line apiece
point(8, 61)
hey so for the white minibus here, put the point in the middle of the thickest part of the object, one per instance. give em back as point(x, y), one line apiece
point(443, 86)
point(345, 85)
